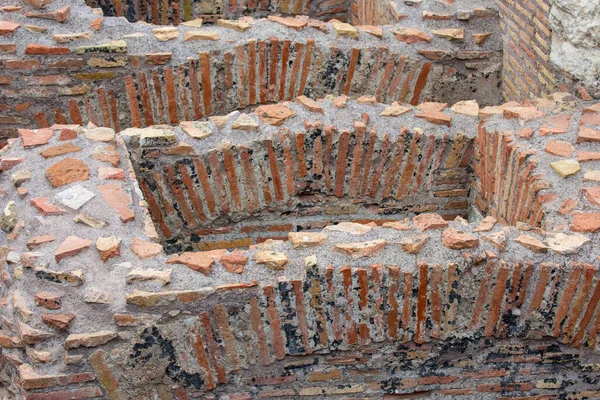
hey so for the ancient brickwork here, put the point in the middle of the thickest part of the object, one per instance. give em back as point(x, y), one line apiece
point(166, 75)
point(255, 199)
point(527, 71)
point(301, 179)
point(97, 303)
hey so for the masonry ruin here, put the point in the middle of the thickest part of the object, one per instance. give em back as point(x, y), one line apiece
point(294, 199)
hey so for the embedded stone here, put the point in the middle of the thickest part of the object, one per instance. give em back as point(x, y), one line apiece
point(302, 240)
point(157, 137)
point(100, 134)
point(239, 26)
point(48, 300)
point(458, 240)
point(96, 296)
point(71, 37)
point(90, 221)
point(340, 101)
point(150, 275)
point(450, 33)
point(591, 175)
point(272, 260)
point(587, 135)
point(151, 299)
point(20, 306)
point(20, 177)
point(39, 240)
point(71, 246)
point(559, 148)
point(436, 117)
point(62, 322)
point(180, 148)
point(107, 154)
point(74, 278)
point(486, 224)
point(274, 114)
point(372, 30)
point(565, 168)
point(480, 38)
point(201, 261)
point(532, 244)
point(67, 171)
point(397, 225)
point(200, 35)
point(366, 100)
point(9, 217)
point(60, 15)
point(38, 137)
point(29, 259)
point(350, 227)
point(432, 106)
point(395, 111)
point(413, 244)
point(361, 249)
point(42, 205)
point(467, 107)
point(429, 221)
point(592, 194)
point(411, 35)
point(196, 129)
point(38, 356)
point(567, 244)
point(113, 194)
point(144, 249)
point(167, 33)
point(221, 120)
point(245, 123)
point(74, 197)
point(524, 113)
point(93, 339)
point(289, 22)
point(59, 150)
point(7, 163)
point(309, 104)
point(194, 23)
point(344, 29)
point(108, 247)
point(7, 27)
point(586, 222)
point(234, 262)
point(30, 335)
point(111, 173)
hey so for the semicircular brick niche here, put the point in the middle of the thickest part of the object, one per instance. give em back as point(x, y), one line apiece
point(247, 180)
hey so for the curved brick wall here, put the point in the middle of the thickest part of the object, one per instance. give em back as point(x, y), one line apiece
point(141, 81)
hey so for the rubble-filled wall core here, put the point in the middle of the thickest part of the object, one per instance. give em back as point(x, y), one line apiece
point(299, 199)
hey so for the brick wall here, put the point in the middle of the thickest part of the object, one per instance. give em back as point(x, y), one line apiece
point(379, 332)
point(507, 184)
point(169, 12)
point(527, 70)
point(61, 79)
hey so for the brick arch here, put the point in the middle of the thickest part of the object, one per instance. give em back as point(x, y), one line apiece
point(511, 320)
